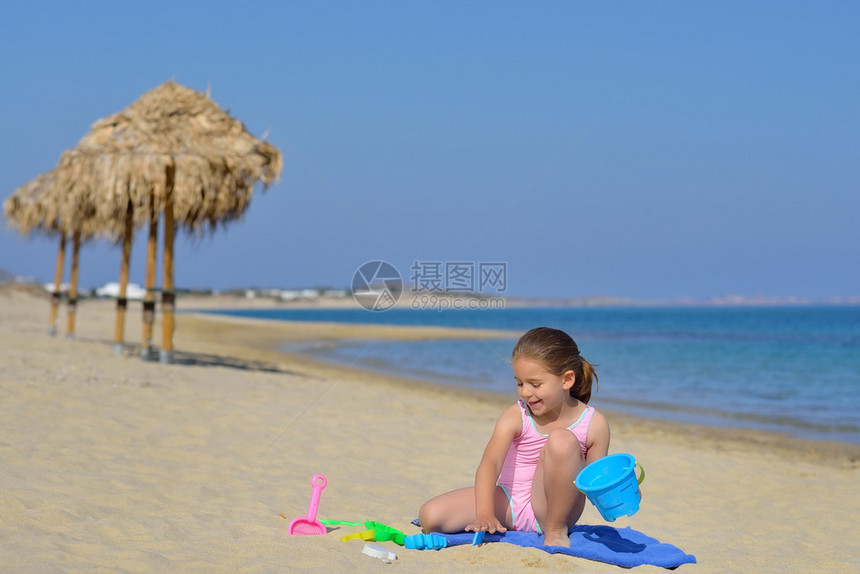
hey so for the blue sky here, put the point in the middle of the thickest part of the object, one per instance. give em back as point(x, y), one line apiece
point(650, 150)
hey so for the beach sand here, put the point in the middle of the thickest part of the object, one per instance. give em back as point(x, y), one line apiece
point(111, 463)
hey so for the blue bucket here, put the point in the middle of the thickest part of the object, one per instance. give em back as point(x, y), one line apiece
point(611, 485)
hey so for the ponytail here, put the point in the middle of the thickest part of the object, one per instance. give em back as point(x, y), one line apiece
point(581, 389)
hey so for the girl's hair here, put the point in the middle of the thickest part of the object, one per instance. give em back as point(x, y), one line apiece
point(558, 353)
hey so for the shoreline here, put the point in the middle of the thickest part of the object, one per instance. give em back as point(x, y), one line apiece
point(332, 333)
point(115, 463)
point(281, 332)
point(662, 412)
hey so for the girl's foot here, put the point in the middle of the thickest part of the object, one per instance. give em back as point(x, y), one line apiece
point(559, 538)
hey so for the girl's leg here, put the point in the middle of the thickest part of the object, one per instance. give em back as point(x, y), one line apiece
point(453, 511)
point(556, 501)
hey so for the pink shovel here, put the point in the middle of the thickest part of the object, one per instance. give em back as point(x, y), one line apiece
point(309, 525)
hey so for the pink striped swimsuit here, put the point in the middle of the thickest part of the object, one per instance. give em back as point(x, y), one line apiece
point(521, 461)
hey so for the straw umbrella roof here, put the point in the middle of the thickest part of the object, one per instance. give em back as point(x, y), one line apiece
point(39, 205)
point(27, 209)
point(124, 158)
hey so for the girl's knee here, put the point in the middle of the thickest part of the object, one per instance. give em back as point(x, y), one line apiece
point(562, 444)
point(429, 516)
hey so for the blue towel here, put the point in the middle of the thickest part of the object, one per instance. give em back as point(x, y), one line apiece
point(620, 546)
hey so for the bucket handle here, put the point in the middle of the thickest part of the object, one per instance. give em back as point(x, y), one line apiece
point(641, 472)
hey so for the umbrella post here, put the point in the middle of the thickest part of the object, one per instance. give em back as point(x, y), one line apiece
point(73, 284)
point(168, 297)
point(121, 300)
point(149, 299)
point(58, 280)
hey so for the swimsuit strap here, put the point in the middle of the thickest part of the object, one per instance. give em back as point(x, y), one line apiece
point(581, 426)
point(582, 416)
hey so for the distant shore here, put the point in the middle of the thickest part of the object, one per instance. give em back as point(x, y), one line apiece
point(338, 298)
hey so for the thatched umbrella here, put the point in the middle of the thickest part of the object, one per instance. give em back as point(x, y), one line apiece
point(173, 151)
point(39, 205)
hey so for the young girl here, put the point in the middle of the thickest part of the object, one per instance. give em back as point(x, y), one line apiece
point(525, 480)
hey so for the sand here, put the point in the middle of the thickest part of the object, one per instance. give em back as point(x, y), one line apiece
point(111, 463)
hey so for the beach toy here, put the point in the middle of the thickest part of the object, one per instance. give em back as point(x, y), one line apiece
point(309, 525)
point(366, 535)
point(478, 538)
point(376, 531)
point(341, 522)
point(425, 542)
point(611, 485)
point(380, 552)
point(383, 533)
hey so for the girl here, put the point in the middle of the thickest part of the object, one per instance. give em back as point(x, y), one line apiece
point(525, 478)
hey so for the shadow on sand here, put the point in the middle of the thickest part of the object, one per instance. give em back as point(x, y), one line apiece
point(132, 350)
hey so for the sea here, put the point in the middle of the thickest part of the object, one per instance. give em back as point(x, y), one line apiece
point(793, 370)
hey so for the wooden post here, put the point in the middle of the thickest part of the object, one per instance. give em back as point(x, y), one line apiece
point(149, 299)
point(58, 280)
point(168, 297)
point(121, 300)
point(73, 284)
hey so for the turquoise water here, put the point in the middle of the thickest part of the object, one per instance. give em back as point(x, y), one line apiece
point(793, 370)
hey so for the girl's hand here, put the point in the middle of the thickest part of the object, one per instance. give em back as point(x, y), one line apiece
point(489, 524)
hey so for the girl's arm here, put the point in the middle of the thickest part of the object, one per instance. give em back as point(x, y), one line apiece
point(598, 434)
point(507, 427)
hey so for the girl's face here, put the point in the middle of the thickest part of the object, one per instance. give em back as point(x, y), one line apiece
point(542, 391)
